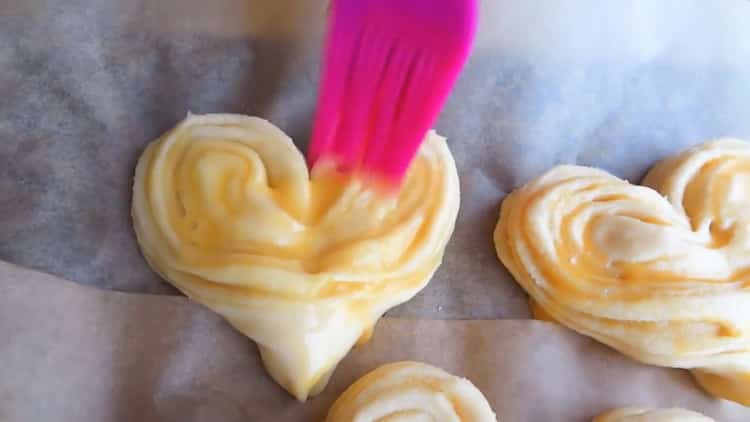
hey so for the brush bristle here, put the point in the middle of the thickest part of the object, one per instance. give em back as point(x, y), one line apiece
point(388, 69)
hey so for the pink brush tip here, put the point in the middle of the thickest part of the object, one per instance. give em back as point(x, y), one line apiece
point(388, 68)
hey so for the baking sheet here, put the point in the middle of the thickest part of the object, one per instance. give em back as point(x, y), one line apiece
point(87, 355)
point(86, 84)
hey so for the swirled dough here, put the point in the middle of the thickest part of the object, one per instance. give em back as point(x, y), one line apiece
point(632, 414)
point(661, 273)
point(225, 210)
point(411, 392)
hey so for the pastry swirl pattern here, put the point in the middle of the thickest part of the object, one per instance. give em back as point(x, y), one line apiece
point(659, 272)
point(411, 391)
point(224, 209)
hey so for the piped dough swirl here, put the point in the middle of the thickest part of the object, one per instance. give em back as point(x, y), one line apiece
point(411, 392)
point(660, 273)
point(224, 209)
point(634, 414)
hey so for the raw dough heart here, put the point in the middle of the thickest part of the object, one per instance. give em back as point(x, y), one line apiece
point(224, 209)
point(411, 392)
point(663, 279)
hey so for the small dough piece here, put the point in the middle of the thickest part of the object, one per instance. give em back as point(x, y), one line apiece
point(660, 273)
point(224, 209)
point(634, 414)
point(411, 392)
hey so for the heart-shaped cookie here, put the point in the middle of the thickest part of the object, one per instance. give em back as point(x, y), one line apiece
point(660, 273)
point(411, 391)
point(224, 208)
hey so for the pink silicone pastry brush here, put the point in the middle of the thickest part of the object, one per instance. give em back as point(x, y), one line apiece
point(388, 68)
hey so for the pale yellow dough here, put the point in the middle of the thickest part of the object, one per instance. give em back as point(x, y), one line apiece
point(661, 273)
point(411, 392)
point(633, 414)
point(224, 209)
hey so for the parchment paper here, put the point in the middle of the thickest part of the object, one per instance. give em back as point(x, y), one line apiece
point(87, 355)
point(86, 84)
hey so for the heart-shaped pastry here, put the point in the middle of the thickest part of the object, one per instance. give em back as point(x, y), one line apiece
point(411, 391)
point(633, 414)
point(660, 273)
point(224, 208)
